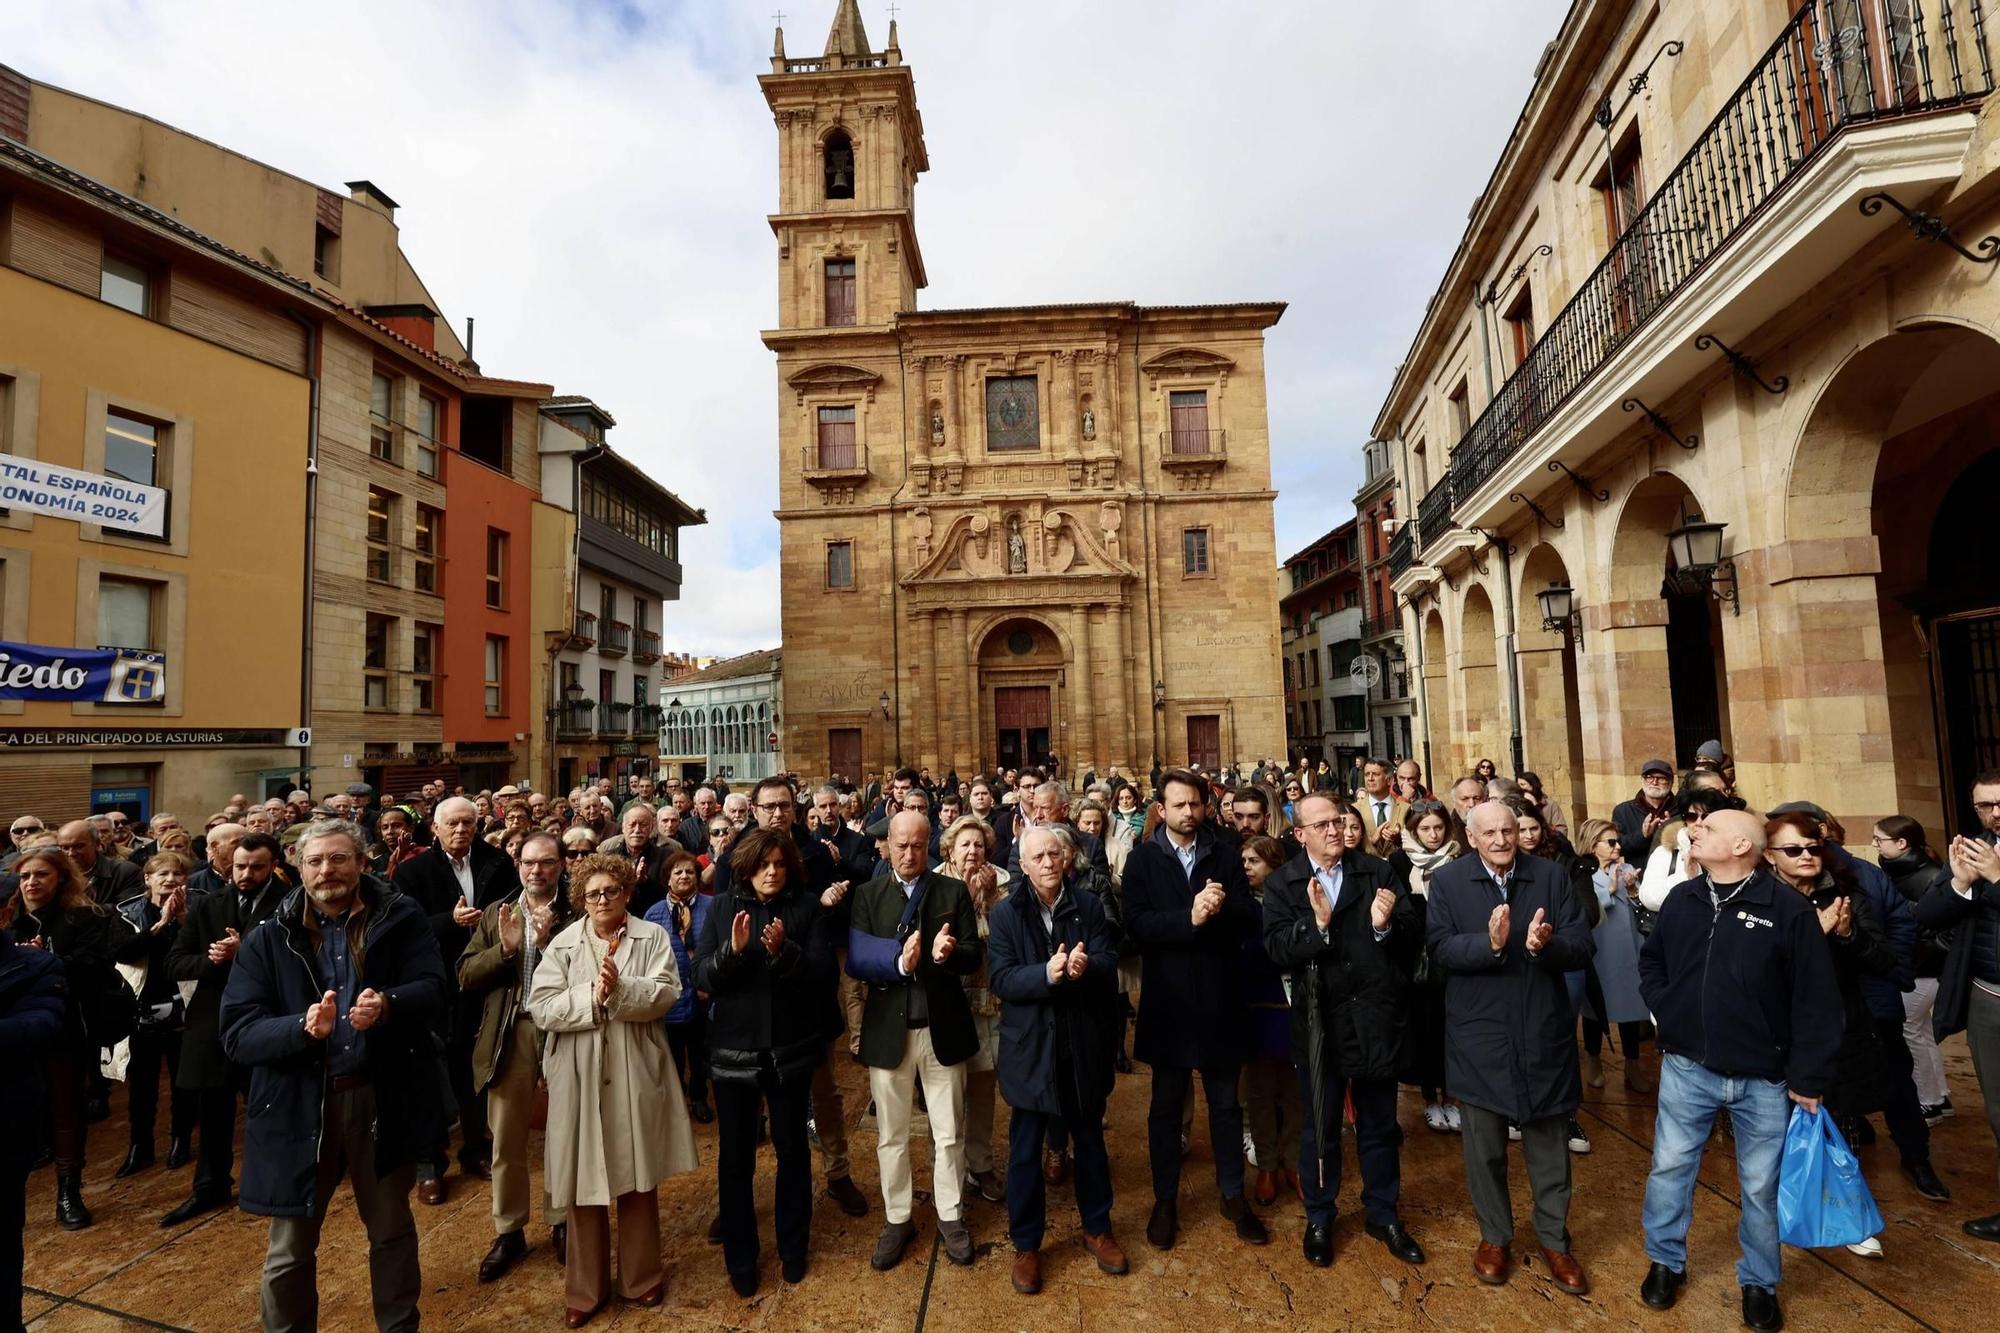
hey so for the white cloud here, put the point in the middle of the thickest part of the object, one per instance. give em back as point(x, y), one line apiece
point(590, 180)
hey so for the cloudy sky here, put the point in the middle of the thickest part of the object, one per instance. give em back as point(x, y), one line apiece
point(590, 178)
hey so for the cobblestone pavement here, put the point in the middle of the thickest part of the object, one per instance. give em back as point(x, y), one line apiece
point(126, 1271)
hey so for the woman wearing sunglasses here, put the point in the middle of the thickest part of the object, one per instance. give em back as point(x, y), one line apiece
point(1795, 845)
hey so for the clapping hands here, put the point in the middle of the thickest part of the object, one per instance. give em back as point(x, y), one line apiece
point(1207, 903)
point(1067, 964)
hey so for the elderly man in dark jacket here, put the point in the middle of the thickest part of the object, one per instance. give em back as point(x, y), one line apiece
point(111, 879)
point(204, 953)
point(454, 882)
point(1052, 962)
point(1335, 923)
point(335, 1005)
point(1188, 908)
point(1739, 977)
point(32, 1002)
point(913, 937)
point(1503, 930)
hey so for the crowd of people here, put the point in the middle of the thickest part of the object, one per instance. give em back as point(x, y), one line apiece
point(375, 976)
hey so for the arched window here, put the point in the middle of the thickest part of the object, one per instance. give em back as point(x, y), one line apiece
point(699, 729)
point(839, 158)
point(733, 735)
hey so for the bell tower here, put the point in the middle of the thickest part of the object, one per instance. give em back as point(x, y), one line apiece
point(850, 148)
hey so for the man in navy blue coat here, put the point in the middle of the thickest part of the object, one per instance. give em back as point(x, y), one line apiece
point(1189, 909)
point(1503, 930)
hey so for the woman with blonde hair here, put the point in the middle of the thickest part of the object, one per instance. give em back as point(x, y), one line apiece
point(618, 1123)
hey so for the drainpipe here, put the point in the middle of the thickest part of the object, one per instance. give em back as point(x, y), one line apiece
point(311, 327)
point(1506, 550)
point(1480, 312)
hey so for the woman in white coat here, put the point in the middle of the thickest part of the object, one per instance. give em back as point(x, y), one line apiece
point(618, 1123)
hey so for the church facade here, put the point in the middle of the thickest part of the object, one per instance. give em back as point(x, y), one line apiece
point(1006, 533)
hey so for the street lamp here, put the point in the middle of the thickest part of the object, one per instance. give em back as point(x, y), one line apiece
point(1160, 695)
point(1560, 614)
point(883, 700)
point(1696, 550)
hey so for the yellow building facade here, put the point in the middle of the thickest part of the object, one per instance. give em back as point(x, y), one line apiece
point(1005, 533)
point(1697, 434)
point(130, 345)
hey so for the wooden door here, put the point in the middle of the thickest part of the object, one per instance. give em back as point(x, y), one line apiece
point(1189, 415)
point(1021, 722)
point(1204, 741)
point(843, 752)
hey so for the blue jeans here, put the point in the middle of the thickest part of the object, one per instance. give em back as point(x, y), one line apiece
point(1760, 1111)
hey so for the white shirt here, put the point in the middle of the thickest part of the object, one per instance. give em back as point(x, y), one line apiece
point(909, 887)
point(462, 868)
point(1381, 804)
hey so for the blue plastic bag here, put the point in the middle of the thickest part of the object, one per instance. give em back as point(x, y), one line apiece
point(1822, 1199)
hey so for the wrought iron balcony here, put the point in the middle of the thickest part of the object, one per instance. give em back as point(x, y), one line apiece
point(1837, 64)
point(575, 719)
point(646, 719)
point(613, 719)
point(1434, 513)
point(647, 649)
point(583, 630)
point(616, 639)
point(1382, 626)
point(1402, 548)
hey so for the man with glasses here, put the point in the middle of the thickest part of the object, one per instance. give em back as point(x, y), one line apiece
point(1640, 819)
point(1739, 978)
point(343, 1073)
point(1334, 923)
point(1968, 999)
point(23, 827)
point(1504, 929)
point(455, 882)
point(111, 880)
point(498, 965)
point(204, 954)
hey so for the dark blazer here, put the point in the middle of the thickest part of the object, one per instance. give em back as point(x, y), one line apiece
point(759, 1004)
point(872, 952)
point(275, 980)
point(1034, 1013)
point(1509, 1027)
point(113, 880)
point(426, 879)
point(1191, 1006)
point(87, 940)
point(33, 998)
point(1941, 909)
point(1362, 984)
point(485, 970)
point(209, 919)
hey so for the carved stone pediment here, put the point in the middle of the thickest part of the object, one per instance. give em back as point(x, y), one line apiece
point(832, 377)
point(1187, 361)
point(974, 547)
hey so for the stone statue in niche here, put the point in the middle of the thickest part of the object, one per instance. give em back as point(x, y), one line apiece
point(1089, 424)
point(1017, 548)
point(937, 428)
point(1111, 517)
point(920, 527)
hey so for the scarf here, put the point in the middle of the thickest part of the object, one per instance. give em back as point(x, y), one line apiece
point(1424, 861)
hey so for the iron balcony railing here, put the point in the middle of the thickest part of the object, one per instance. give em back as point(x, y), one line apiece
point(646, 649)
point(1434, 513)
point(1193, 442)
point(1838, 63)
point(575, 719)
point(612, 718)
point(615, 639)
point(1377, 626)
point(584, 628)
point(1402, 548)
point(647, 719)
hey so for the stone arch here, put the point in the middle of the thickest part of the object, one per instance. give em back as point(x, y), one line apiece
point(1435, 689)
point(1551, 694)
point(1886, 447)
point(837, 152)
point(1480, 730)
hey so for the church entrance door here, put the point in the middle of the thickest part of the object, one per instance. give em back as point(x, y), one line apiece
point(1021, 716)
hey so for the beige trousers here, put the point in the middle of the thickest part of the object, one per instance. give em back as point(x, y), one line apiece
point(510, 1103)
point(895, 1092)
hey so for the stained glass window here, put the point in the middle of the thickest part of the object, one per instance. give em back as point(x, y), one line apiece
point(1013, 417)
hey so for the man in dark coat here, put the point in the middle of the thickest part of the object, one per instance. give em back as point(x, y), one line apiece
point(1335, 922)
point(1188, 908)
point(204, 953)
point(1503, 930)
point(218, 871)
point(1967, 903)
point(1640, 819)
point(641, 844)
point(111, 879)
point(913, 937)
point(456, 880)
point(1052, 962)
point(1738, 975)
point(334, 1005)
point(33, 995)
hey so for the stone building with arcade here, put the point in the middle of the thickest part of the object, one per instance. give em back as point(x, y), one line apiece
point(1699, 434)
point(1005, 533)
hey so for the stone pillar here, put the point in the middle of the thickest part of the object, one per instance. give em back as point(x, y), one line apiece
point(1628, 707)
point(1063, 408)
point(945, 693)
point(924, 694)
point(1083, 734)
point(965, 703)
point(954, 415)
point(1114, 743)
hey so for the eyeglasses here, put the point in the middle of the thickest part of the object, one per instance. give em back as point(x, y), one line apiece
point(772, 807)
point(1986, 807)
point(717, 830)
point(20, 830)
point(1426, 807)
point(1796, 850)
point(572, 853)
point(328, 859)
point(1318, 826)
point(602, 895)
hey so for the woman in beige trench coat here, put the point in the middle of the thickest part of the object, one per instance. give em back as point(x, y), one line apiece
point(618, 1123)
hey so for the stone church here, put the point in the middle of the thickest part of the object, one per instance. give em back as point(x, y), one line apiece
point(1006, 533)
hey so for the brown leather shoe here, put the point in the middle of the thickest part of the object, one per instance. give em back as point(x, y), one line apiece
point(1490, 1263)
point(1055, 1167)
point(1027, 1271)
point(1566, 1271)
point(578, 1318)
point(1105, 1250)
point(655, 1296)
point(1266, 1190)
point(431, 1191)
point(508, 1247)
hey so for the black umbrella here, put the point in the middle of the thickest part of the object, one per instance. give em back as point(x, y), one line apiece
point(1315, 1068)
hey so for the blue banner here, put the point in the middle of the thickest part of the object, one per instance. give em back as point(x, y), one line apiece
point(92, 675)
